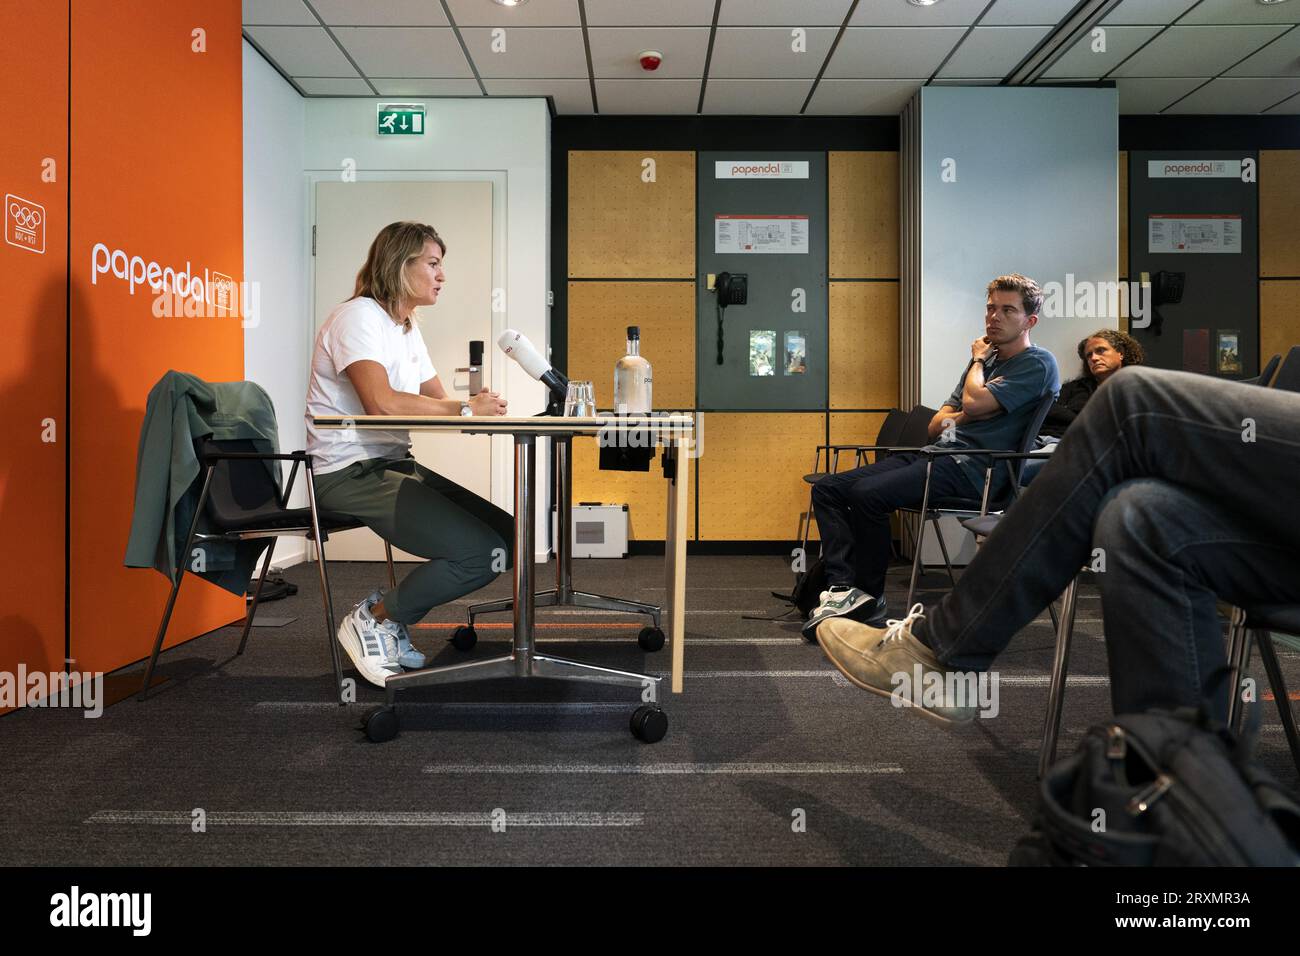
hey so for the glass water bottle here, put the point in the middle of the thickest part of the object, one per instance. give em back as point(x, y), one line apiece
point(632, 378)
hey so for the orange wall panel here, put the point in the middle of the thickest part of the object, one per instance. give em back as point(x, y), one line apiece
point(33, 302)
point(156, 157)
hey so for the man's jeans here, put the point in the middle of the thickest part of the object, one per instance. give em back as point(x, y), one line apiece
point(1185, 487)
point(853, 509)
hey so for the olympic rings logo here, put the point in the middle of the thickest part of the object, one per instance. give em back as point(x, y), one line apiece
point(25, 216)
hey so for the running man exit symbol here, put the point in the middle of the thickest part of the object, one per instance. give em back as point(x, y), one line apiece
point(401, 119)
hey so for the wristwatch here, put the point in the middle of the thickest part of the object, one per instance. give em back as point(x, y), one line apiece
point(465, 410)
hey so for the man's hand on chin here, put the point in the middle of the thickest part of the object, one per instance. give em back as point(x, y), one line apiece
point(981, 348)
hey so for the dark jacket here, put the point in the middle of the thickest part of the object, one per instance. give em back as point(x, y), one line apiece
point(168, 476)
point(1074, 395)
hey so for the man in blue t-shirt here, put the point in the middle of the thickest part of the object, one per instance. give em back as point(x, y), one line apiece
point(990, 408)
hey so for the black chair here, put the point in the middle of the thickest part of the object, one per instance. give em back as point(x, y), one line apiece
point(1264, 377)
point(241, 502)
point(891, 430)
point(1260, 625)
point(932, 511)
point(1288, 378)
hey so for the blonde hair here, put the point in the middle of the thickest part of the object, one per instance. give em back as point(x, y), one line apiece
point(383, 277)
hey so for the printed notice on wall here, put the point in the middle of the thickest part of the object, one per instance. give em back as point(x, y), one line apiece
point(760, 234)
point(1220, 234)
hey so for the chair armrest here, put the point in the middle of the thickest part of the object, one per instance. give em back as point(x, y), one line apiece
point(938, 452)
point(1027, 455)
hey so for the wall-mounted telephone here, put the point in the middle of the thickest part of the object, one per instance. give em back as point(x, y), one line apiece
point(1166, 289)
point(729, 290)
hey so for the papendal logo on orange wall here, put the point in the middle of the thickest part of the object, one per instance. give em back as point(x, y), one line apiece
point(24, 223)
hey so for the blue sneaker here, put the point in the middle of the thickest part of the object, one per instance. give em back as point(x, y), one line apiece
point(407, 656)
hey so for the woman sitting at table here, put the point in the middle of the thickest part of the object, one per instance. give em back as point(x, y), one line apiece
point(370, 359)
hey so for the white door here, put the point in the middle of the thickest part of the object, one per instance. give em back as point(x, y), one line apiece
point(348, 217)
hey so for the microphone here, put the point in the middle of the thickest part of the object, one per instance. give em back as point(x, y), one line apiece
point(516, 345)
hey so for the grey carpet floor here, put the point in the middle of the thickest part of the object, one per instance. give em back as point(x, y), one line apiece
point(771, 757)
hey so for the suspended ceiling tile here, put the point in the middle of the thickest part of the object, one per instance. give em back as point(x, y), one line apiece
point(1027, 13)
point(333, 86)
point(540, 13)
point(397, 52)
point(615, 52)
point(418, 87)
point(556, 52)
point(992, 51)
point(571, 96)
point(302, 51)
point(770, 52)
point(1237, 95)
point(1279, 58)
point(1243, 11)
point(899, 13)
point(765, 13)
point(892, 52)
point(756, 97)
point(644, 13)
point(381, 13)
point(1083, 61)
point(1181, 51)
point(1152, 94)
point(1158, 12)
point(647, 96)
point(283, 12)
point(862, 97)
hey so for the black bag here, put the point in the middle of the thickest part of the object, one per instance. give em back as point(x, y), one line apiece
point(1162, 789)
point(273, 589)
point(808, 588)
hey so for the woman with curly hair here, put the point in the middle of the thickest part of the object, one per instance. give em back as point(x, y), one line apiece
point(1103, 353)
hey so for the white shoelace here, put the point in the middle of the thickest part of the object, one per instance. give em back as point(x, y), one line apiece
point(895, 628)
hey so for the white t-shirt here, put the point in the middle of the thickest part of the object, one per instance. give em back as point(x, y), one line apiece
point(360, 329)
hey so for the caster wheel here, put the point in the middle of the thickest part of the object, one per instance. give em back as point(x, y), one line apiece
point(464, 638)
point(649, 724)
point(650, 639)
point(380, 724)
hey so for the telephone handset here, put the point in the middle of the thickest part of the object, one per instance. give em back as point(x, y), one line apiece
point(729, 290)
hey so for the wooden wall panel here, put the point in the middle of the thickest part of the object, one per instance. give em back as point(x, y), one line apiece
point(644, 492)
point(1279, 318)
point(864, 359)
point(863, 215)
point(751, 473)
point(1279, 210)
point(621, 227)
point(599, 314)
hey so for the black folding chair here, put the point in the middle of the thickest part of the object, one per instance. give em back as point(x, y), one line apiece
point(241, 502)
point(1265, 376)
point(1260, 624)
point(932, 511)
point(1288, 378)
point(890, 433)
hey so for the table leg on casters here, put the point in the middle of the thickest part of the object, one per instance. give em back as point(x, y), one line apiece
point(563, 595)
point(649, 723)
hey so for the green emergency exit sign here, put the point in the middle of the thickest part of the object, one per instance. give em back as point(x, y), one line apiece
point(401, 119)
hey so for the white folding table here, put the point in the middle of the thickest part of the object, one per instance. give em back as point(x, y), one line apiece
point(674, 433)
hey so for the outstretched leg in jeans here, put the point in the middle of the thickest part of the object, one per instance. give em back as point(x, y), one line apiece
point(1184, 487)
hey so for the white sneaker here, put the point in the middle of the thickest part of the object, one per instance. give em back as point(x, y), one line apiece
point(371, 646)
point(407, 655)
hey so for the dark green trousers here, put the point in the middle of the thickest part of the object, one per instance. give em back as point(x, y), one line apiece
point(467, 540)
